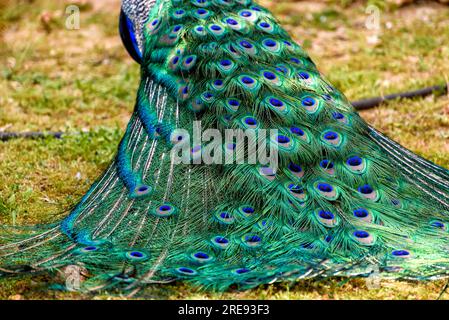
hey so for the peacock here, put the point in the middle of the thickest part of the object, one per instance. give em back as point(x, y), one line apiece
point(334, 197)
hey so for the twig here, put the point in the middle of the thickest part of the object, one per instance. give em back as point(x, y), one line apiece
point(374, 102)
point(358, 105)
point(4, 136)
point(444, 290)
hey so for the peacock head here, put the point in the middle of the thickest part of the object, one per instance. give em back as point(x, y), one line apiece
point(133, 16)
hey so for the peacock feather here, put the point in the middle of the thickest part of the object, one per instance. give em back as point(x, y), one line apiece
point(340, 199)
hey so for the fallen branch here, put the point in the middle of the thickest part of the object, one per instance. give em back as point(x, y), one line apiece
point(358, 105)
point(374, 102)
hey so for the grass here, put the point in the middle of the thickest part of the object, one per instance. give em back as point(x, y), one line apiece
point(56, 79)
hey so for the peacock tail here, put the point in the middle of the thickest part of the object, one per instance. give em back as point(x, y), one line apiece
point(341, 199)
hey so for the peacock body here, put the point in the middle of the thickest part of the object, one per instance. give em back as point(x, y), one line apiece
point(341, 199)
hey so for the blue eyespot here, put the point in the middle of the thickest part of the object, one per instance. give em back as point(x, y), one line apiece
point(225, 63)
point(246, 14)
point(308, 102)
point(331, 135)
point(234, 103)
point(354, 161)
point(304, 75)
point(270, 43)
point(282, 139)
point(247, 80)
point(400, 253)
point(242, 271)
point(294, 167)
point(361, 234)
point(437, 224)
point(269, 75)
point(225, 215)
point(165, 210)
point(201, 11)
point(326, 215)
point(324, 187)
point(297, 131)
point(251, 121)
point(327, 190)
point(248, 210)
point(338, 116)
point(201, 255)
point(136, 254)
point(327, 164)
point(225, 218)
point(221, 240)
point(246, 44)
point(282, 69)
point(215, 27)
point(361, 213)
point(276, 102)
point(264, 24)
point(208, 95)
point(253, 239)
point(231, 21)
point(296, 189)
point(366, 189)
point(186, 271)
point(143, 189)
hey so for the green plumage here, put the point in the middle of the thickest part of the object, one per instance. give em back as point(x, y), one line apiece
point(344, 197)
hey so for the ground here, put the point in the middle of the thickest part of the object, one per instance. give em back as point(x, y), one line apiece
point(82, 80)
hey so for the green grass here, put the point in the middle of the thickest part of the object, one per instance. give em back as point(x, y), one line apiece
point(82, 80)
